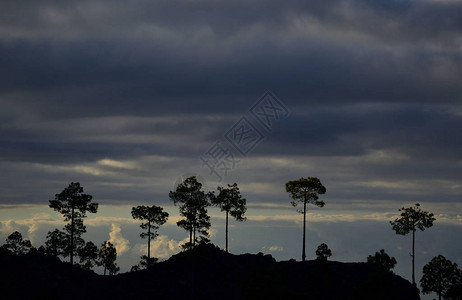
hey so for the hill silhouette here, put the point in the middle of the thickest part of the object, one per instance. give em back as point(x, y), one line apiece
point(203, 273)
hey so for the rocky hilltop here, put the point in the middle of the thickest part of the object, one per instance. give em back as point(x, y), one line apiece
point(203, 273)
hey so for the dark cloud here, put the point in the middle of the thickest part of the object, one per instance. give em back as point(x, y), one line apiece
point(373, 89)
point(342, 51)
point(415, 130)
point(125, 98)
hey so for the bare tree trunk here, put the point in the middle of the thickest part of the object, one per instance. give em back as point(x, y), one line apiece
point(226, 231)
point(194, 236)
point(304, 229)
point(149, 243)
point(190, 237)
point(440, 287)
point(72, 236)
point(413, 256)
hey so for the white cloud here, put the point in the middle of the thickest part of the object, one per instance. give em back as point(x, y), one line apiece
point(121, 244)
point(444, 218)
point(173, 219)
point(103, 221)
point(31, 226)
point(183, 241)
point(278, 218)
point(117, 164)
point(276, 249)
point(213, 232)
point(10, 226)
point(272, 249)
point(161, 247)
point(381, 212)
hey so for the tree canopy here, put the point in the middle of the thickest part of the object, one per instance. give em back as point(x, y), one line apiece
point(439, 276)
point(411, 219)
point(323, 252)
point(56, 243)
point(305, 190)
point(230, 201)
point(382, 261)
point(153, 217)
point(193, 202)
point(73, 204)
point(107, 257)
point(88, 255)
point(16, 245)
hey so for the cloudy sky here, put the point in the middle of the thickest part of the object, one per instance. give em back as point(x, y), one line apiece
point(126, 98)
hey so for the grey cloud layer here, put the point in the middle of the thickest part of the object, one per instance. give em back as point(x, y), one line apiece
point(374, 90)
point(338, 51)
point(421, 19)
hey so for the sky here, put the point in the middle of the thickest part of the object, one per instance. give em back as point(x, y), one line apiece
point(128, 98)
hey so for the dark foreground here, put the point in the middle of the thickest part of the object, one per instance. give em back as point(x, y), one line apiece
point(204, 273)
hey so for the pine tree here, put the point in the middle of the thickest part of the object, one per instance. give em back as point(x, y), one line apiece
point(73, 204)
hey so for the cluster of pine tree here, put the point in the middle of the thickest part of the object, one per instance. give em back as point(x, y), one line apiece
point(439, 275)
point(74, 205)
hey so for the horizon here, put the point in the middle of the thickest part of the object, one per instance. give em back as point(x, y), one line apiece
point(128, 99)
point(114, 223)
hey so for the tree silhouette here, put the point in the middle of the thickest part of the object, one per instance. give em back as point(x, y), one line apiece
point(147, 261)
point(144, 263)
point(305, 190)
point(107, 257)
point(323, 252)
point(230, 200)
point(455, 291)
point(439, 276)
point(16, 245)
point(56, 243)
point(154, 216)
point(382, 261)
point(88, 255)
point(73, 204)
point(193, 206)
point(135, 268)
point(411, 219)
